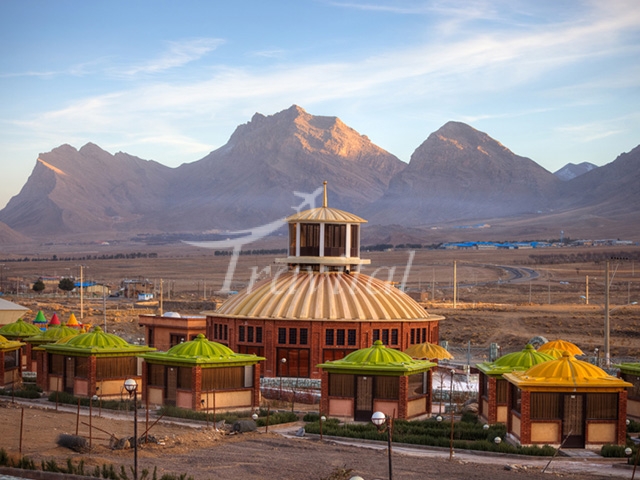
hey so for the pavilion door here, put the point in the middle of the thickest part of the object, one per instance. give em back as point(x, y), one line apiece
point(363, 408)
point(573, 421)
point(172, 386)
point(69, 374)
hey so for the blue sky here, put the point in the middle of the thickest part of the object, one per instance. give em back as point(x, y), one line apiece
point(170, 80)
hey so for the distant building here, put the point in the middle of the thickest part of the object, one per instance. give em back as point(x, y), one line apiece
point(169, 329)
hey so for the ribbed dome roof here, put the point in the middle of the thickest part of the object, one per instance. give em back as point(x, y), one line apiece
point(98, 338)
point(566, 371)
point(325, 215)
point(96, 342)
point(200, 347)
point(377, 358)
point(561, 345)
point(53, 334)
point(201, 351)
point(429, 351)
point(19, 329)
point(523, 359)
point(323, 296)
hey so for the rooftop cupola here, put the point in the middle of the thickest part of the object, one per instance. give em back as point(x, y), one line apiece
point(324, 239)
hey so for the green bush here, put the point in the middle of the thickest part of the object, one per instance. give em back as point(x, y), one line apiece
point(20, 392)
point(615, 451)
point(466, 435)
point(633, 427)
point(67, 398)
point(276, 418)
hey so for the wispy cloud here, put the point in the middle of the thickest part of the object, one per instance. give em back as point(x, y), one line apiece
point(177, 55)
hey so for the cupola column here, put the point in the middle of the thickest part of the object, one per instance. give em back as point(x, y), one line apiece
point(298, 239)
point(321, 240)
point(347, 247)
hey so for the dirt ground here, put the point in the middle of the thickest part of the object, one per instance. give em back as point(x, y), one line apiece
point(204, 454)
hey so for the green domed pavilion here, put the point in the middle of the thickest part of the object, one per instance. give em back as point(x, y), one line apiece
point(492, 395)
point(377, 378)
point(202, 375)
point(95, 362)
point(37, 358)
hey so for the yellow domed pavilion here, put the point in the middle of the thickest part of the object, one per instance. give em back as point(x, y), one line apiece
point(566, 402)
point(319, 307)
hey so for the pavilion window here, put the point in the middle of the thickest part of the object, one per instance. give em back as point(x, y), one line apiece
point(258, 334)
point(418, 384)
point(56, 364)
point(602, 406)
point(394, 336)
point(250, 334)
point(328, 337)
point(484, 385)
point(292, 239)
point(385, 336)
point(82, 367)
point(11, 359)
point(185, 378)
point(116, 367)
point(501, 391)
point(632, 392)
point(516, 398)
point(226, 332)
point(309, 239)
point(354, 240)
point(304, 336)
point(156, 375)
point(545, 406)
point(222, 378)
point(341, 385)
point(386, 388)
point(413, 336)
point(340, 336)
point(293, 336)
point(351, 337)
point(376, 334)
point(335, 239)
point(424, 335)
point(241, 333)
point(282, 335)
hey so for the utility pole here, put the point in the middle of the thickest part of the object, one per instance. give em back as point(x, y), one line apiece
point(586, 290)
point(607, 357)
point(81, 293)
point(455, 283)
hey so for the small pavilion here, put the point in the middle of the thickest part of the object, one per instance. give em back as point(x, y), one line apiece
point(91, 363)
point(630, 372)
point(40, 321)
point(566, 402)
point(377, 378)
point(492, 392)
point(10, 362)
point(202, 375)
point(20, 331)
point(50, 335)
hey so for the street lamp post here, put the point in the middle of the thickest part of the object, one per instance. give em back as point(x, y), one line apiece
point(452, 409)
point(322, 420)
point(131, 386)
point(283, 361)
point(380, 420)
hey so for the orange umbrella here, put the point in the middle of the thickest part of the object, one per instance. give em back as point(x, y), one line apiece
point(429, 351)
point(561, 345)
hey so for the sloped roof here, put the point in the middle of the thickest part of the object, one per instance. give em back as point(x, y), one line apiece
point(19, 329)
point(96, 342)
point(203, 352)
point(10, 306)
point(566, 374)
point(325, 215)
point(522, 360)
point(40, 318)
point(377, 360)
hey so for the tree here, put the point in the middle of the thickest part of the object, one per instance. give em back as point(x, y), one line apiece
point(38, 286)
point(66, 285)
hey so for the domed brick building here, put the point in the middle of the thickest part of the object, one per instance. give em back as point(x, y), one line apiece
point(319, 307)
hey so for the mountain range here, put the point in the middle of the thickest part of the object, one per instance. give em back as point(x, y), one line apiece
point(457, 177)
